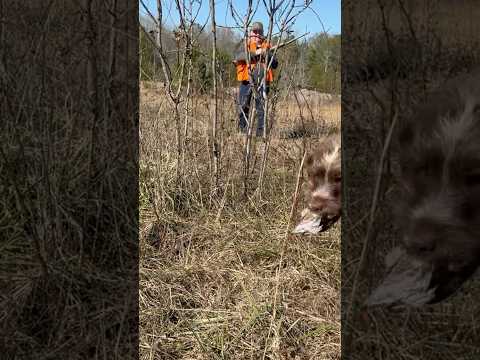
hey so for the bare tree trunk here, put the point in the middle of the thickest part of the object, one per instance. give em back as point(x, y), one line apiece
point(248, 144)
point(215, 144)
point(2, 45)
point(266, 126)
point(187, 100)
point(251, 115)
point(157, 38)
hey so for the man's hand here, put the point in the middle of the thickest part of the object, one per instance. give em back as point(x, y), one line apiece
point(260, 51)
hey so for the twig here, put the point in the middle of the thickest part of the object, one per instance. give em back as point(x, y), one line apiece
point(372, 212)
point(215, 143)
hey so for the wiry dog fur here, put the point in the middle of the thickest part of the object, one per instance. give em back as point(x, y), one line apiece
point(439, 206)
point(323, 167)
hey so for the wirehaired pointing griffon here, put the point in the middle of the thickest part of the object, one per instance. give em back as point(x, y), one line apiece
point(323, 187)
point(440, 176)
point(324, 178)
point(438, 210)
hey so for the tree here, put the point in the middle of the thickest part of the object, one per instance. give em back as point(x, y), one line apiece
point(323, 62)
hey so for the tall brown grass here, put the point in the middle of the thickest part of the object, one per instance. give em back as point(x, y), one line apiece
point(68, 185)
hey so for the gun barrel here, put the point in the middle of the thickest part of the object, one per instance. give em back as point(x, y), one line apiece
point(287, 42)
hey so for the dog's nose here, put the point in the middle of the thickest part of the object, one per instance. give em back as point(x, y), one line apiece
point(420, 244)
point(422, 239)
point(318, 202)
point(323, 202)
point(316, 206)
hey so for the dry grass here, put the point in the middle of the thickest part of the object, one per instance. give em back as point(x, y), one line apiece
point(68, 187)
point(209, 265)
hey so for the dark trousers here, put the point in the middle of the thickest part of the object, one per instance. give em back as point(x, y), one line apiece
point(244, 99)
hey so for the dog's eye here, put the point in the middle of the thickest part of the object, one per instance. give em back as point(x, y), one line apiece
point(427, 169)
point(472, 179)
point(317, 173)
point(421, 170)
point(476, 109)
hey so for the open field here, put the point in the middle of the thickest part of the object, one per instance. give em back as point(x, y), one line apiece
point(219, 278)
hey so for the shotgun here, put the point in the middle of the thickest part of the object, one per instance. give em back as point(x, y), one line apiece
point(279, 46)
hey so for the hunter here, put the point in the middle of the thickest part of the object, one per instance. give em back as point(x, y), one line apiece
point(260, 57)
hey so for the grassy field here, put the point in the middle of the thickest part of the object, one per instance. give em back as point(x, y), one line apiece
point(220, 278)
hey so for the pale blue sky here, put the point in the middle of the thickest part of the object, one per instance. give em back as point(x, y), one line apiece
point(328, 11)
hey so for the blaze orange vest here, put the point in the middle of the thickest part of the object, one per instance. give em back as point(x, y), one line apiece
point(242, 67)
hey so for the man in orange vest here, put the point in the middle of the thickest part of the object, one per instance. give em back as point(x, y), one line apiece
point(260, 57)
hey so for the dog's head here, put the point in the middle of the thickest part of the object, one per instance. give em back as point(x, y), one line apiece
point(323, 168)
point(439, 207)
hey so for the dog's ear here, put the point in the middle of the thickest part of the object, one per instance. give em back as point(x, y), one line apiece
point(405, 133)
point(308, 162)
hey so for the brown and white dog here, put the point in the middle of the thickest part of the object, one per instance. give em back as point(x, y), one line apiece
point(324, 177)
point(439, 206)
point(323, 186)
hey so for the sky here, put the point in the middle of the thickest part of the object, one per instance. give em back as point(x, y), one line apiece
point(326, 12)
